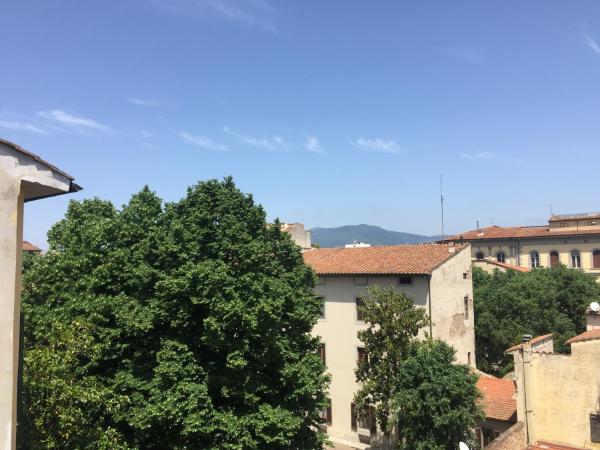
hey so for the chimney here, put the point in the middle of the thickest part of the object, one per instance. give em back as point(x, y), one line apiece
point(592, 316)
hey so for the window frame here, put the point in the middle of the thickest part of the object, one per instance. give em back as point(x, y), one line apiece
point(573, 253)
point(323, 352)
point(359, 301)
point(498, 253)
point(557, 258)
point(478, 254)
point(537, 264)
point(595, 252)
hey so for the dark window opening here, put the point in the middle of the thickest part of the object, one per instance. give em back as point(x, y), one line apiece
point(322, 353)
point(405, 280)
point(359, 305)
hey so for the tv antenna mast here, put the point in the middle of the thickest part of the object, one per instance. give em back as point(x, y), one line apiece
point(442, 204)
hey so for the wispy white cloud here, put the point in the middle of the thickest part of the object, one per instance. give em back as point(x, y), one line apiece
point(591, 43)
point(378, 145)
point(476, 156)
point(21, 126)
point(146, 102)
point(262, 143)
point(72, 121)
point(252, 13)
point(202, 141)
point(312, 144)
point(463, 54)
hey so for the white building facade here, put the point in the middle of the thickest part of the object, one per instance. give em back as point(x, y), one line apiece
point(437, 276)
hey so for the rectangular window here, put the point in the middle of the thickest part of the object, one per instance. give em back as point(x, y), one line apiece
point(465, 275)
point(469, 358)
point(359, 313)
point(352, 417)
point(466, 305)
point(405, 280)
point(575, 260)
point(322, 353)
point(326, 413)
point(361, 354)
point(322, 315)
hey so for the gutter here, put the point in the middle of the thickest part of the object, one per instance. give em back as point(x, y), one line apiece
point(430, 299)
point(73, 187)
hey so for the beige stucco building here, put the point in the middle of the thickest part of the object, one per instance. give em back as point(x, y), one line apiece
point(438, 276)
point(572, 240)
point(23, 177)
point(558, 395)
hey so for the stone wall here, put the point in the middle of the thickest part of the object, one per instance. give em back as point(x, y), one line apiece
point(515, 438)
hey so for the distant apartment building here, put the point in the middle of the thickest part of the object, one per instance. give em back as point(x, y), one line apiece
point(300, 235)
point(437, 276)
point(572, 240)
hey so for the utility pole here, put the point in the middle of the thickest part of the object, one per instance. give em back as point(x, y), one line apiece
point(442, 204)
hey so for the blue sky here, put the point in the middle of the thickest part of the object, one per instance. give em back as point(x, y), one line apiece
point(330, 113)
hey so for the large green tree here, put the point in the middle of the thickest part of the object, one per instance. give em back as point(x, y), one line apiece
point(196, 323)
point(413, 386)
point(436, 400)
point(510, 304)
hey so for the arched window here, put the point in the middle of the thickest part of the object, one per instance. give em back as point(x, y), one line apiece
point(479, 255)
point(534, 259)
point(554, 259)
point(575, 259)
point(596, 259)
point(501, 257)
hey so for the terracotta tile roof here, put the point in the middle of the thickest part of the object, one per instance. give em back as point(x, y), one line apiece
point(549, 446)
point(534, 341)
point(497, 232)
point(396, 259)
point(578, 216)
point(504, 265)
point(29, 247)
point(499, 402)
point(585, 336)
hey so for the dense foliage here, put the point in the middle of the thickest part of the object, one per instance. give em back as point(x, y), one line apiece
point(412, 385)
point(436, 399)
point(183, 326)
point(510, 304)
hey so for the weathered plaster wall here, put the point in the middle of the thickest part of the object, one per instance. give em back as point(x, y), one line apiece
point(452, 323)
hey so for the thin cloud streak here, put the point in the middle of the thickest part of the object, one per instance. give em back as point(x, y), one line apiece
point(225, 9)
point(72, 121)
point(202, 141)
point(312, 144)
point(146, 102)
point(21, 126)
point(591, 43)
point(476, 156)
point(378, 145)
point(272, 144)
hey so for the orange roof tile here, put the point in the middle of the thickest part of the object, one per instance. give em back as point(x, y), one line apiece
point(396, 259)
point(504, 265)
point(496, 232)
point(29, 247)
point(534, 341)
point(549, 446)
point(585, 336)
point(498, 401)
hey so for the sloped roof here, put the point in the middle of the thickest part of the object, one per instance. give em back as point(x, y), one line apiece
point(498, 401)
point(585, 336)
point(20, 149)
point(29, 247)
point(540, 445)
point(395, 259)
point(503, 265)
point(496, 232)
point(534, 341)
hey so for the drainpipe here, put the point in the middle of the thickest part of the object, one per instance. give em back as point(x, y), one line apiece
point(527, 397)
point(430, 317)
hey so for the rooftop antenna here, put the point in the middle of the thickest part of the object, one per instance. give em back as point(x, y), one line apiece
point(442, 205)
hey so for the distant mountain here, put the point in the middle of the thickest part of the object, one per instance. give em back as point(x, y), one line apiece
point(369, 234)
